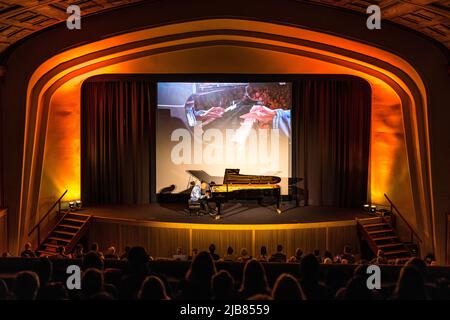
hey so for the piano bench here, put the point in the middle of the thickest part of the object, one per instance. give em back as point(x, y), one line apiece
point(194, 207)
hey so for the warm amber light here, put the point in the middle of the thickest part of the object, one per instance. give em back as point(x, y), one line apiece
point(388, 160)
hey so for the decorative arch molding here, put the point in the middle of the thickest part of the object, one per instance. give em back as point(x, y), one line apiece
point(382, 65)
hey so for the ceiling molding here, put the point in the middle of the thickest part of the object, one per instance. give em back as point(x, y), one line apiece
point(19, 19)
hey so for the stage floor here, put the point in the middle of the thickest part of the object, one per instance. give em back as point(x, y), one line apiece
point(232, 213)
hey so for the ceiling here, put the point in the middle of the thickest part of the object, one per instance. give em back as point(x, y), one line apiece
point(20, 18)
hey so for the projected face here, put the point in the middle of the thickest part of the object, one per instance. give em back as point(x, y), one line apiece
point(214, 126)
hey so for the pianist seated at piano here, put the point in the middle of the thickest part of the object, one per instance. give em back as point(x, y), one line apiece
point(201, 193)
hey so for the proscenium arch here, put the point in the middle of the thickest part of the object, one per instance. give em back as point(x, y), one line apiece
point(393, 70)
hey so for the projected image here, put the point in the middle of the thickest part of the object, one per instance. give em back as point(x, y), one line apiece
point(205, 128)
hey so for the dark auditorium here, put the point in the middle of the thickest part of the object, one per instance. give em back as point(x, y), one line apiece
point(225, 156)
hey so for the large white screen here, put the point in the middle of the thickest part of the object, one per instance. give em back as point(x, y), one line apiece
point(214, 126)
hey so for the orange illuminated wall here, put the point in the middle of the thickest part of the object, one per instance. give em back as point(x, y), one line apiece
point(222, 52)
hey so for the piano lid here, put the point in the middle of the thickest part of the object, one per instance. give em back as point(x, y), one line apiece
point(203, 176)
point(232, 176)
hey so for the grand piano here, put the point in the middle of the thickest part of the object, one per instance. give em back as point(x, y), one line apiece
point(246, 187)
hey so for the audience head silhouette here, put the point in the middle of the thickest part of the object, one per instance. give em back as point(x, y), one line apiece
point(138, 259)
point(44, 270)
point(410, 285)
point(254, 279)
point(26, 285)
point(53, 291)
point(153, 289)
point(357, 289)
point(91, 282)
point(263, 251)
point(286, 288)
point(94, 247)
point(223, 286)
point(309, 268)
point(92, 260)
point(199, 276)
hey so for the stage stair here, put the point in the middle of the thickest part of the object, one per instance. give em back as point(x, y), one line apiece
point(379, 234)
point(67, 232)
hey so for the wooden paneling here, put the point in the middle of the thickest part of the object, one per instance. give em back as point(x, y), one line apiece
point(159, 242)
point(237, 239)
point(447, 254)
point(337, 238)
point(306, 239)
point(162, 241)
point(3, 230)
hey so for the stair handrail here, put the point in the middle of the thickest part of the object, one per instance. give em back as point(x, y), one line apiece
point(411, 229)
point(38, 225)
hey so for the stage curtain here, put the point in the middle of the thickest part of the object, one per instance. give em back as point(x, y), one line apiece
point(117, 121)
point(332, 135)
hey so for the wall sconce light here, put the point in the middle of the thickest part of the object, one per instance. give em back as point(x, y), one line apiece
point(71, 205)
point(373, 208)
point(366, 207)
point(78, 204)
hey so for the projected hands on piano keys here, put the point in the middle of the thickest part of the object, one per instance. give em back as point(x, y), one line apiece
point(258, 114)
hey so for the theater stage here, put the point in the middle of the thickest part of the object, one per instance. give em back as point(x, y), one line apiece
point(247, 213)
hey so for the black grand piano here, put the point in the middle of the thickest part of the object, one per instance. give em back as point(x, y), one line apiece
point(246, 187)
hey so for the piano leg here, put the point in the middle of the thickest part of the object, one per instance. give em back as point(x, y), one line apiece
point(278, 202)
point(217, 216)
point(219, 207)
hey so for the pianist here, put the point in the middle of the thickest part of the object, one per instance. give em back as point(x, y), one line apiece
point(200, 193)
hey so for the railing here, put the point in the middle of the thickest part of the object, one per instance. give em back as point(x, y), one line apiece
point(411, 229)
point(38, 225)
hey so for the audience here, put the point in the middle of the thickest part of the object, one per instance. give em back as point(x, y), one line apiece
point(124, 255)
point(316, 253)
point(212, 252)
point(26, 285)
point(78, 252)
point(61, 253)
point(138, 270)
point(95, 248)
point(153, 289)
point(134, 279)
point(328, 258)
point(111, 253)
point(254, 280)
point(380, 258)
point(278, 256)
point(28, 252)
point(223, 286)
point(309, 280)
point(410, 285)
point(430, 259)
point(297, 258)
point(244, 256)
point(91, 283)
point(263, 255)
point(229, 257)
point(92, 260)
point(44, 270)
point(287, 288)
point(179, 255)
point(197, 284)
point(356, 289)
point(52, 291)
point(102, 296)
point(347, 255)
point(194, 254)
